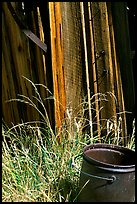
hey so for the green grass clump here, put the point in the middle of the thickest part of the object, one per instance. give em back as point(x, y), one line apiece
point(36, 167)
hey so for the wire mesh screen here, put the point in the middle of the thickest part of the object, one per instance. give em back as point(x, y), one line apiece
point(73, 54)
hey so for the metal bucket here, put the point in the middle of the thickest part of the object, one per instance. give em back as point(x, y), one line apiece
point(107, 174)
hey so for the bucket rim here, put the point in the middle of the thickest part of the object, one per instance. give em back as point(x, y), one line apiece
point(97, 163)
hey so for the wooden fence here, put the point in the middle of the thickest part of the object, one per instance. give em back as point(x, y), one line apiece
point(85, 56)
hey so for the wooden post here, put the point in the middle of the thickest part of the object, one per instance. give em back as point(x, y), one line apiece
point(104, 70)
point(93, 68)
point(57, 64)
point(87, 68)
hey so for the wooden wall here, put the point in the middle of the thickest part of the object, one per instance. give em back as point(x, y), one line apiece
point(82, 60)
point(21, 57)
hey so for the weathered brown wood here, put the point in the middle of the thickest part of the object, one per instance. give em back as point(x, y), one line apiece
point(120, 106)
point(104, 62)
point(74, 65)
point(73, 52)
point(6, 93)
point(122, 38)
point(102, 38)
point(44, 76)
point(21, 66)
point(57, 63)
point(87, 69)
point(93, 68)
point(74, 75)
point(40, 67)
point(7, 79)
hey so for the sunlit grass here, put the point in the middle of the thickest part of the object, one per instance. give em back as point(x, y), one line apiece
point(40, 168)
point(36, 167)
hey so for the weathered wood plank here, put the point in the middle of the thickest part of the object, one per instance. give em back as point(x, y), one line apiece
point(57, 62)
point(93, 69)
point(122, 38)
point(120, 106)
point(21, 64)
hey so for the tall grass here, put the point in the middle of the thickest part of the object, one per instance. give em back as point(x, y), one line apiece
point(36, 168)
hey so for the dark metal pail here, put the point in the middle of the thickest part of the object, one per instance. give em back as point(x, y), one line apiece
point(107, 174)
